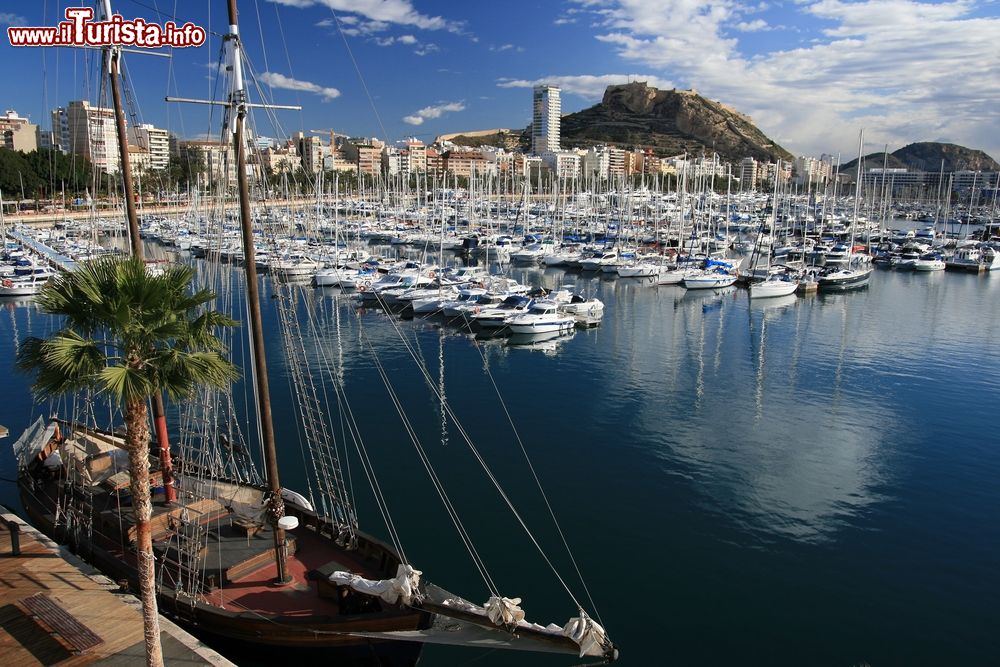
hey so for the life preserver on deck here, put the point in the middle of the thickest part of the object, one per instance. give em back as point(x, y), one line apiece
point(7, 282)
point(434, 274)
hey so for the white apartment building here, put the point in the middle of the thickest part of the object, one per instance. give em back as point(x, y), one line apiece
point(92, 135)
point(545, 120)
point(154, 140)
point(809, 170)
point(564, 164)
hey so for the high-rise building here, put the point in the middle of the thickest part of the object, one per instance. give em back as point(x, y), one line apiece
point(92, 135)
point(60, 129)
point(545, 120)
point(153, 140)
point(748, 174)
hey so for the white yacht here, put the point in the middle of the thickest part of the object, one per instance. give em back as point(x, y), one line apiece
point(542, 316)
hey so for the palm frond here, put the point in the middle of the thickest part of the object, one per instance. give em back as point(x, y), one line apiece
point(124, 383)
point(151, 321)
point(63, 363)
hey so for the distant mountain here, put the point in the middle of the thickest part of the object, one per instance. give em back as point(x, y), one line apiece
point(510, 139)
point(927, 156)
point(671, 122)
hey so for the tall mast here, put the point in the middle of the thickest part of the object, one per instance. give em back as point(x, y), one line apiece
point(238, 105)
point(114, 54)
point(857, 192)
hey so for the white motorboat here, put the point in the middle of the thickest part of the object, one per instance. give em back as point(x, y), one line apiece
point(494, 318)
point(542, 316)
point(26, 286)
point(929, 262)
point(586, 311)
point(708, 280)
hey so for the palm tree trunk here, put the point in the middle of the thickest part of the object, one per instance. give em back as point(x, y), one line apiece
point(137, 443)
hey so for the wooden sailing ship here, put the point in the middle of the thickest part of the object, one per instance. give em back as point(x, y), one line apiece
point(238, 556)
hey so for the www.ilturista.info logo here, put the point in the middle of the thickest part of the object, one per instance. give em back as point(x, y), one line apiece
point(80, 30)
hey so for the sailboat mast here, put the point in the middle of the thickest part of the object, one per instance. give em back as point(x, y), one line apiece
point(125, 166)
point(857, 191)
point(238, 101)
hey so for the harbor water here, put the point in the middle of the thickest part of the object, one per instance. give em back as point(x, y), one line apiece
point(796, 481)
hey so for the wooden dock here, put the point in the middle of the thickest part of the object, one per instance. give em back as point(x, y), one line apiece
point(57, 610)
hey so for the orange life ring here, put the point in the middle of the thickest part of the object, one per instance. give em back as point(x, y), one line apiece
point(7, 282)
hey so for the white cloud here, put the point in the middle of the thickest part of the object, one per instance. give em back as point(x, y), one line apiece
point(586, 85)
point(436, 111)
point(406, 39)
point(8, 18)
point(907, 70)
point(399, 12)
point(276, 80)
point(757, 25)
point(424, 49)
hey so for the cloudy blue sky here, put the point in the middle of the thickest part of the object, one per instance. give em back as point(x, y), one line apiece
point(811, 73)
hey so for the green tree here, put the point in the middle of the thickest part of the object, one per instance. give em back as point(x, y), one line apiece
point(184, 167)
point(17, 174)
point(128, 335)
point(56, 169)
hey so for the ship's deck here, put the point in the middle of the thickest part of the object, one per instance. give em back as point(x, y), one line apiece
point(314, 559)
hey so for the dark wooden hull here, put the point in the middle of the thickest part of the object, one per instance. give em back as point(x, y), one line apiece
point(281, 628)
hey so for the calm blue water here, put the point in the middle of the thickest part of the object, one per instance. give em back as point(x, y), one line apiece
point(807, 481)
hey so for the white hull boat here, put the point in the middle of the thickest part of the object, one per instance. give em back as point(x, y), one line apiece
point(542, 317)
point(712, 280)
point(772, 288)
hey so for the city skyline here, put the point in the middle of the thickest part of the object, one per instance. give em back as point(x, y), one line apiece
point(809, 74)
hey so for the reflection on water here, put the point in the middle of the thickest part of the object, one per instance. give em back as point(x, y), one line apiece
point(750, 450)
point(545, 342)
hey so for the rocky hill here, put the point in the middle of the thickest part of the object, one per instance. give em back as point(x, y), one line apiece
point(670, 122)
point(510, 139)
point(927, 156)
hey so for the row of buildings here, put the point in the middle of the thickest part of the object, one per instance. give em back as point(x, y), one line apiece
point(89, 131)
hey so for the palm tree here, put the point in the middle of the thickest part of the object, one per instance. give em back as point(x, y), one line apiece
point(128, 335)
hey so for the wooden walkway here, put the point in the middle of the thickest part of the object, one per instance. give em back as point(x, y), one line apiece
point(57, 612)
